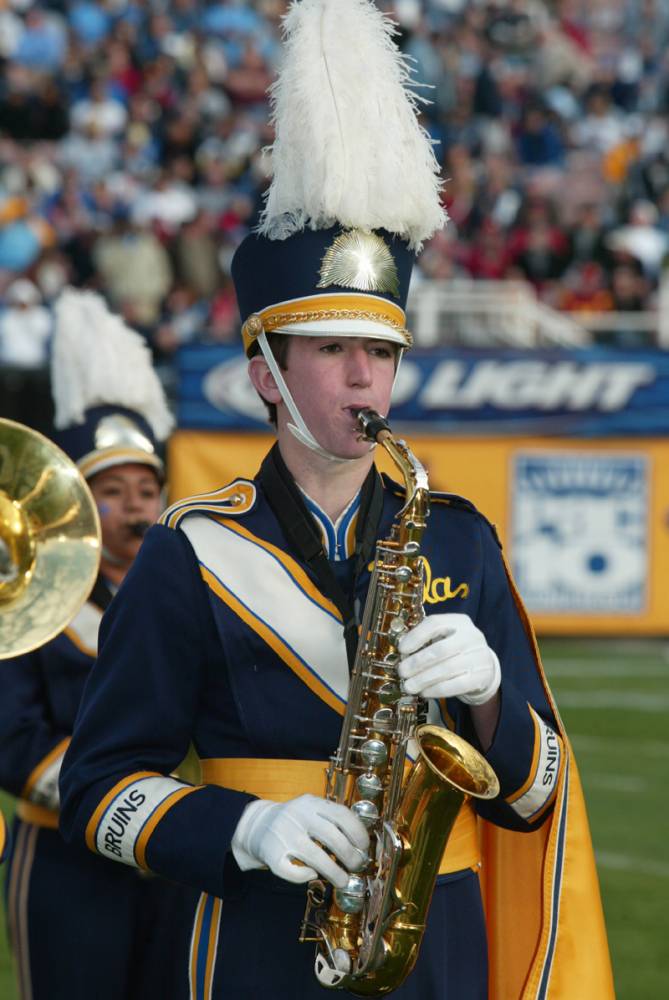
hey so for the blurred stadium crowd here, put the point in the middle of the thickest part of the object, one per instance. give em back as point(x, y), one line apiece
point(132, 136)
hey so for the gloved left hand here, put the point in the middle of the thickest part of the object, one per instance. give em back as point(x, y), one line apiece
point(447, 656)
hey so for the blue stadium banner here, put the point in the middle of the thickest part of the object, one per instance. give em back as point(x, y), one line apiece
point(583, 393)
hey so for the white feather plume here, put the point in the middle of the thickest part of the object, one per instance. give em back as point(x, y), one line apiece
point(97, 360)
point(349, 148)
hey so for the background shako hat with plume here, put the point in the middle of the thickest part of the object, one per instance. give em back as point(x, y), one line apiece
point(355, 187)
point(110, 408)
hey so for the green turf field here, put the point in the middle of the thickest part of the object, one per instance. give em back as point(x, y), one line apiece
point(614, 699)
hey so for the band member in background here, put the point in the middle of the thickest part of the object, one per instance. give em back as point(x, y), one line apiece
point(235, 626)
point(77, 929)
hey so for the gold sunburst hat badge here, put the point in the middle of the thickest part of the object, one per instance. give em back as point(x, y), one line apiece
point(360, 260)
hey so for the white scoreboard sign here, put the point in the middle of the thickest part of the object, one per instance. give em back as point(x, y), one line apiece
point(580, 531)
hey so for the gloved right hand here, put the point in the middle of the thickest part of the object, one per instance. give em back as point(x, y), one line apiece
point(277, 834)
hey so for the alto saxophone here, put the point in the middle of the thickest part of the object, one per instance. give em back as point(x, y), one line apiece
point(368, 934)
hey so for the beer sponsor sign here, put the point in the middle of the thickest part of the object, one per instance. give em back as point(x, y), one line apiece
point(568, 393)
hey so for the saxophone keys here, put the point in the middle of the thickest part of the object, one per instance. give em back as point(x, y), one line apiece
point(389, 693)
point(369, 786)
point(383, 720)
point(397, 626)
point(351, 898)
point(342, 960)
point(366, 811)
point(374, 752)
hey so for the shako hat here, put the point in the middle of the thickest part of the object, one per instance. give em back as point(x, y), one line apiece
point(355, 188)
point(110, 408)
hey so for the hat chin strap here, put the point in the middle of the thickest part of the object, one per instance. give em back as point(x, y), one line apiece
point(299, 429)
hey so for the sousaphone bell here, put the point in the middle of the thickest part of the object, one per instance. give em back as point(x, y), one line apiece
point(50, 540)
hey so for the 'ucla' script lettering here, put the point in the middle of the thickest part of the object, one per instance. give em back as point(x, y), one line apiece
point(439, 588)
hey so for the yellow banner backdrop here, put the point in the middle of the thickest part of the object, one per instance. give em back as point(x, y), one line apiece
point(485, 470)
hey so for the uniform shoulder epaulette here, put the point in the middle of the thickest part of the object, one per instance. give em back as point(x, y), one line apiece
point(462, 503)
point(454, 500)
point(232, 500)
point(449, 500)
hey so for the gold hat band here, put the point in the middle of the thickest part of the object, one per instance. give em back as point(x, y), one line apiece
point(321, 308)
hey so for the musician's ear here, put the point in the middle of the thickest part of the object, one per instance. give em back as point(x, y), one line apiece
point(263, 380)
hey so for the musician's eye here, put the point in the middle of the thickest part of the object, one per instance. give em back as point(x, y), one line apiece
point(381, 351)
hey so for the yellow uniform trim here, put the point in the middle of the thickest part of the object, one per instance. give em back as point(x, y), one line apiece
point(17, 905)
point(101, 808)
point(116, 456)
point(349, 541)
point(78, 642)
point(542, 926)
point(142, 841)
point(203, 990)
point(37, 815)
point(273, 641)
point(281, 780)
point(211, 502)
point(38, 771)
point(278, 780)
point(533, 766)
point(197, 932)
point(535, 817)
point(211, 947)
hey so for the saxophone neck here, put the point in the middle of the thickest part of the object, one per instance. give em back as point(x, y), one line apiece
point(416, 487)
point(414, 514)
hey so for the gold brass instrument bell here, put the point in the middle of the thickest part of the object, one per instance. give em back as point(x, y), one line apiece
point(49, 540)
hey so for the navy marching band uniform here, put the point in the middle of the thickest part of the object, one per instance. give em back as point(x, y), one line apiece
point(79, 928)
point(252, 670)
point(128, 931)
point(229, 637)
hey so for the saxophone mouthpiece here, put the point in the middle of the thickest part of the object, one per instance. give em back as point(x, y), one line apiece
point(372, 425)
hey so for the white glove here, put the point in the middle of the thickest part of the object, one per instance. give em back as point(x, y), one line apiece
point(446, 656)
point(275, 834)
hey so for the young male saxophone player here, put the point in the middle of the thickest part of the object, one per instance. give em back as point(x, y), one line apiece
point(231, 631)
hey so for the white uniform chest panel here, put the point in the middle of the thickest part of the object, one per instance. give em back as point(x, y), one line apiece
point(263, 591)
point(84, 627)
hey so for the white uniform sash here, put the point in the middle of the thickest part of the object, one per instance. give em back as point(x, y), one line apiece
point(274, 596)
point(84, 627)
